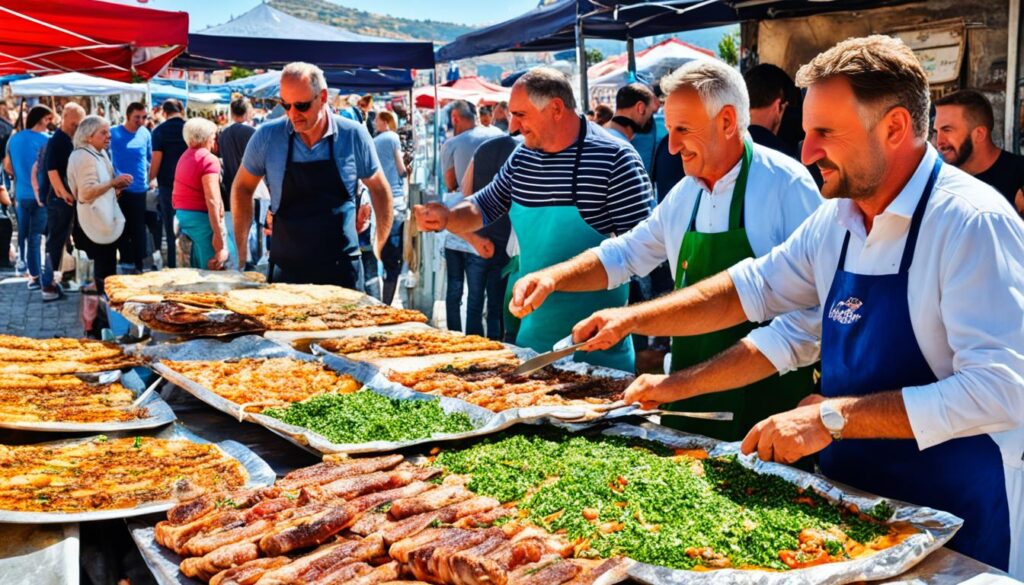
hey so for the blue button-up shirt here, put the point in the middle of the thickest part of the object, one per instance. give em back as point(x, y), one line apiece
point(267, 153)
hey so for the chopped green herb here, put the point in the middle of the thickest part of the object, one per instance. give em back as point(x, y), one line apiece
point(634, 498)
point(383, 508)
point(102, 439)
point(138, 443)
point(226, 503)
point(882, 511)
point(366, 416)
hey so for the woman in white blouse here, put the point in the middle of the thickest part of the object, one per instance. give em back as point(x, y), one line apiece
point(96, 188)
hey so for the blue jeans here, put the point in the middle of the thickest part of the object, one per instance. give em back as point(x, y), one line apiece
point(167, 219)
point(391, 259)
point(479, 275)
point(31, 227)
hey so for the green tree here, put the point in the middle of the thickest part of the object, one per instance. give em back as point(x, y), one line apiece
point(729, 48)
point(239, 73)
point(594, 56)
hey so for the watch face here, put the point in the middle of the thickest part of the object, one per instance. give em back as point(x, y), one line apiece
point(832, 420)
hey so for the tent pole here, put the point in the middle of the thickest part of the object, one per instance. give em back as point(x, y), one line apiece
point(581, 61)
point(631, 59)
point(437, 137)
point(1010, 119)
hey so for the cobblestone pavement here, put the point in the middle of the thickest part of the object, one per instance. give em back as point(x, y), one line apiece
point(23, 312)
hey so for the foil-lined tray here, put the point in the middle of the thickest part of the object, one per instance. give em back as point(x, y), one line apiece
point(484, 421)
point(259, 472)
point(41, 554)
point(301, 340)
point(935, 527)
point(375, 375)
point(159, 414)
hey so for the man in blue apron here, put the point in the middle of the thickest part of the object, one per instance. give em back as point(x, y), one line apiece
point(738, 200)
point(312, 161)
point(918, 268)
point(568, 188)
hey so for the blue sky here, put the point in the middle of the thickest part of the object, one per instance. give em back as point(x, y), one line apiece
point(204, 13)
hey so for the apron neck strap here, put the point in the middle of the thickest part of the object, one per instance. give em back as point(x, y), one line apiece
point(915, 223)
point(291, 143)
point(580, 139)
point(739, 190)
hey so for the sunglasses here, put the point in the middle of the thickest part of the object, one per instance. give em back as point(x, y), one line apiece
point(300, 106)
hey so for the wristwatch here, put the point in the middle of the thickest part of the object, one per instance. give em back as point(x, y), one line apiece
point(832, 419)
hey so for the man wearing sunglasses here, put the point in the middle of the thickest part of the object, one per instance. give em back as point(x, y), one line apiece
point(312, 161)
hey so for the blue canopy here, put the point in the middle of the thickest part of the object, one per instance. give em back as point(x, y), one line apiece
point(265, 37)
point(552, 27)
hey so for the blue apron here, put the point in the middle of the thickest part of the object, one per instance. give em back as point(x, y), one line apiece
point(552, 234)
point(868, 346)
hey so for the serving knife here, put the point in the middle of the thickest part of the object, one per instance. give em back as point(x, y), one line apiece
point(560, 350)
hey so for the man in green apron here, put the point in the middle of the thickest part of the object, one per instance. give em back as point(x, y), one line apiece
point(569, 187)
point(738, 201)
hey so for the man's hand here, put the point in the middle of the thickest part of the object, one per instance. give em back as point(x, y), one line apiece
point(123, 180)
point(651, 391)
point(363, 218)
point(788, 436)
point(603, 329)
point(432, 217)
point(219, 260)
point(483, 246)
point(530, 292)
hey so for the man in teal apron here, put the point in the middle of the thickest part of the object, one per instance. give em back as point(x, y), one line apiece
point(918, 268)
point(568, 188)
point(738, 201)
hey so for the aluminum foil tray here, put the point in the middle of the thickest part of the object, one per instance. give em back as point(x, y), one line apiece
point(259, 474)
point(40, 555)
point(485, 421)
point(159, 414)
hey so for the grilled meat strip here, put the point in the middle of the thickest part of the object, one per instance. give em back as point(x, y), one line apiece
point(250, 572)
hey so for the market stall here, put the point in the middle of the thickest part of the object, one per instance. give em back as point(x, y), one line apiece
point(438, 463)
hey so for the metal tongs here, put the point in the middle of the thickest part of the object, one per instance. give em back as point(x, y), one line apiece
point(603, 410)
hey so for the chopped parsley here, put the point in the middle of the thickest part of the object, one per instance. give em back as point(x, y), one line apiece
point(138, 443)
point(366, 416)
point(635, 498)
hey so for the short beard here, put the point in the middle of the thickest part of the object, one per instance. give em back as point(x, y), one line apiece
point(964, 152)
point(859, 183)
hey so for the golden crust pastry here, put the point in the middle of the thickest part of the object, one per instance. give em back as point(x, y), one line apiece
point(407, 344)
point(150, 286)
point(265, 382)
point(330, 316)
point(65, 399)
point(23, 355)
point(102, 474)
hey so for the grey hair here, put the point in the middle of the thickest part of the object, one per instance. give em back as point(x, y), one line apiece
point(197, 131)
point(542, 84)
point(464, 109)
point(717, 84)
point(306, 72)
point(87, 127)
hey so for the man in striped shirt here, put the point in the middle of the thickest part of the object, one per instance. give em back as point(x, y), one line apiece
point(569, 187)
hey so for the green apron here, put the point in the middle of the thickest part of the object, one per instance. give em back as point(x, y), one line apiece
point(549, 235)
point(700, 256)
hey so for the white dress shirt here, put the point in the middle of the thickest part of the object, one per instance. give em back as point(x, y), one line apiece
point(780, 195)
point(965, 294)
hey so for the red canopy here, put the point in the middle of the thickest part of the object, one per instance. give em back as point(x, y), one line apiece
point(88, 36)
point(470, 88)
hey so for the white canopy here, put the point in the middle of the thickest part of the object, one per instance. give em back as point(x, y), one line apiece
point(654, 63)
point(72, 84)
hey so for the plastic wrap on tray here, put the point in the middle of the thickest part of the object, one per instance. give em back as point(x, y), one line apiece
point(484, 421)
point(259, 474)
point(159, 414)
point(40, 555)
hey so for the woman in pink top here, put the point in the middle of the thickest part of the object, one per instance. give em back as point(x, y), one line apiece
point(196, 197)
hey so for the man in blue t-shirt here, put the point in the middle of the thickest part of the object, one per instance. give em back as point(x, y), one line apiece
point(22, 151)
point(312, 161)
point(131, 148)
point(168, 146)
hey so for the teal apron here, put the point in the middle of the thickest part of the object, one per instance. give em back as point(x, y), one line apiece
point(702, 255)
point(552, 234)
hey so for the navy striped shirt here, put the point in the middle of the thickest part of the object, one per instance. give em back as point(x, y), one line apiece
point(614, 190)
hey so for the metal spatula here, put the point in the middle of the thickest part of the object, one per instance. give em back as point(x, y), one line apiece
point(560, 351)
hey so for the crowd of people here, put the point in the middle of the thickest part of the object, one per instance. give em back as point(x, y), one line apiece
point(124, 194)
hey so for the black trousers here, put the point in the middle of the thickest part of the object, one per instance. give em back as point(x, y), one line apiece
point(59, 218)
point(132, 243)
point(167, 218)
point(103, 256)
